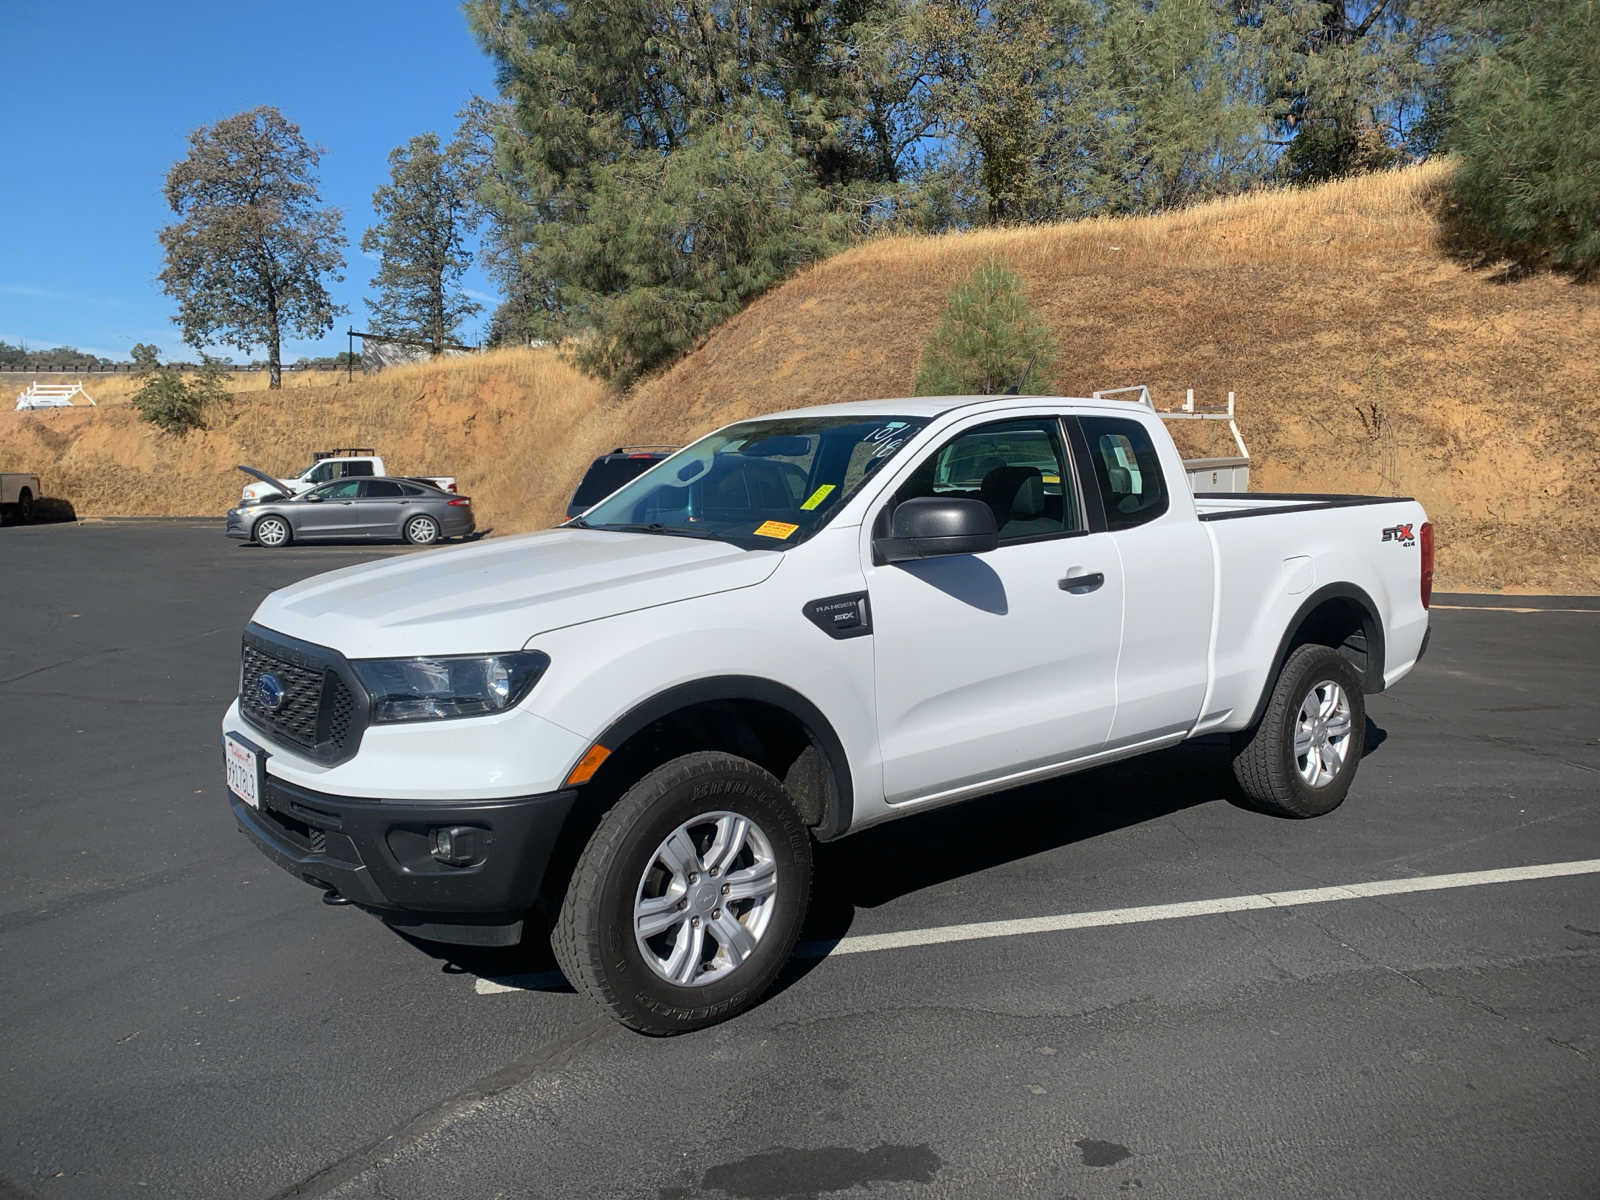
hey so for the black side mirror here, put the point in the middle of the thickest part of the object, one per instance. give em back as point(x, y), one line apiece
point(934, 526)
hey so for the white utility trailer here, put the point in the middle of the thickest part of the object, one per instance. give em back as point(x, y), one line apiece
point(52, 395)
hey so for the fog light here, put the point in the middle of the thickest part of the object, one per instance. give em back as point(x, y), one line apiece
point(458, 845)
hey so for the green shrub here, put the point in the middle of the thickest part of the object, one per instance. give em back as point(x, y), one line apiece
point(985, 339)
point(166, 401)
point(1527, 128)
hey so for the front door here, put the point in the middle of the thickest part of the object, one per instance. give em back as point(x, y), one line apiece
point(334, 516)
point(992, 665)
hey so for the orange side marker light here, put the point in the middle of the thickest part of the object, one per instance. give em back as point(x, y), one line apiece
point(588, 764)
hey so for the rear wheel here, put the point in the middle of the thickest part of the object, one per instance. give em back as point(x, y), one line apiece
point(24, 507)
point(1301, 759)
point(273, 532)
point(686, 902)
point(422, 530)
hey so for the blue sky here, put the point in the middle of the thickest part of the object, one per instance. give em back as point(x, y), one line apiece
point(100, 98)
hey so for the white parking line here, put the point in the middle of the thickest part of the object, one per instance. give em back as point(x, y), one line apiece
point(870, 943)
point(1509, 608)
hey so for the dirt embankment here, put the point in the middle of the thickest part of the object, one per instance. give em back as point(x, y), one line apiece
point(1364, 359)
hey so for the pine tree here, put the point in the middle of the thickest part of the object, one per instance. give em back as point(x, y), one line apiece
point(654, 166)
point(1527, 127)
point(424, 211)
point(986, 338)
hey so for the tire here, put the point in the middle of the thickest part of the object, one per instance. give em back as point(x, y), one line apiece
point(272, 532)
point(623, 877)
point(1302, 757)
point(421, 530)
point(24, 507)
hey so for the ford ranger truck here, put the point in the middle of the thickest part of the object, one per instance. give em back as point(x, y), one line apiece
point(634, 727)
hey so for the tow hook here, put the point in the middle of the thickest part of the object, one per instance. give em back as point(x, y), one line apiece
point(332, 897)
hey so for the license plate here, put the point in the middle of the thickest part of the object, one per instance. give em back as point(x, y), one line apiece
point(244, 774)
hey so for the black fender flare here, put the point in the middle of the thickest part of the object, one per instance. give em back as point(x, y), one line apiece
point(841, 799)
point(1371, 627)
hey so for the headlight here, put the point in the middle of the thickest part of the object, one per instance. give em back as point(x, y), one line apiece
point(433, 689)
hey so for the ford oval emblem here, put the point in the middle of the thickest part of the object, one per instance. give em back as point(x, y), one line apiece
point(269, 692)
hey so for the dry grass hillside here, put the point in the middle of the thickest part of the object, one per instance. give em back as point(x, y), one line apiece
point(1364, 359)
point(512, 426)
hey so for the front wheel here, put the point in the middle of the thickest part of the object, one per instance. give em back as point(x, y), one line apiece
point(273, 532)
point(422, 531)
point(686, 902)
point(1301, 759)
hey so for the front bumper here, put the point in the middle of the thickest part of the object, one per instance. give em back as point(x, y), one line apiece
point(377, 854)
point(236, 525)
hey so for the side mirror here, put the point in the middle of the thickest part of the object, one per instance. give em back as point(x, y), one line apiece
point(314, 498)
point(932, 526)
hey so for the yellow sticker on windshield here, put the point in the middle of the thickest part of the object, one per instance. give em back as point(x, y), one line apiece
point(1051, 478)
point(775, 529)
point(817, 497)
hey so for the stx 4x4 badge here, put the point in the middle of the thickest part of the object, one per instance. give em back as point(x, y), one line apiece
point(1401, 534)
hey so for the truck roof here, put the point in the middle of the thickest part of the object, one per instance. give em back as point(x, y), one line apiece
point(933, 406)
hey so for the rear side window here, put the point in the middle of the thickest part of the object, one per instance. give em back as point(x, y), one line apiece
point(1127, 470)
point(606, 475)
point(356, 468)
point(381, 489)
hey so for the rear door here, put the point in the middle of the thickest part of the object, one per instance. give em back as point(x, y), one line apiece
point(1166, 564)
point(380, 508)
point(992, 665)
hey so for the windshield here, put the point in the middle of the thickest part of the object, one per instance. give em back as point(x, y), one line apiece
point(768, 483)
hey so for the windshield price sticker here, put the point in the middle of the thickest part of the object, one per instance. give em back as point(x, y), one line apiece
point(817, 497)
point(775, 529)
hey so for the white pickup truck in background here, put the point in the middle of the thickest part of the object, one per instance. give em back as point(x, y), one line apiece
point(635, 726)
point(341, 463)
point(19, 493)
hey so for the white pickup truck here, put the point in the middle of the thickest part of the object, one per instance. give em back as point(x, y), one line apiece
point(792, 629)
point(328, 465)
point(19, 492)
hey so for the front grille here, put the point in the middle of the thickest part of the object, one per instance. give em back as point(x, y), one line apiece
point(318, 712)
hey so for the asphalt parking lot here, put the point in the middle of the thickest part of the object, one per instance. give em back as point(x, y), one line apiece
point(181, 1018)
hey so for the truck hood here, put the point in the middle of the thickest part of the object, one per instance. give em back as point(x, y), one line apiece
point(268, 485)
point(498, 594)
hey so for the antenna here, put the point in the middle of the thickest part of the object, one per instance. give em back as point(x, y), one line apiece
point(1017, 390)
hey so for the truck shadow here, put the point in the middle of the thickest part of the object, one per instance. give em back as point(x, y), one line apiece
point(885, 863)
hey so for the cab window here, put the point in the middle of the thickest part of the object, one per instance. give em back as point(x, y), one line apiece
point(1127, 470)
point(1018, 468)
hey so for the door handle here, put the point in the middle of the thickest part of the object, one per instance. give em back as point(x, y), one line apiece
point(1078, 585)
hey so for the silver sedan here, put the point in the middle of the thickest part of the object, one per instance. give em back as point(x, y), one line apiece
point(376, 509)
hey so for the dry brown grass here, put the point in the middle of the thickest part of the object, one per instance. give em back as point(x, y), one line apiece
point(1364, 360)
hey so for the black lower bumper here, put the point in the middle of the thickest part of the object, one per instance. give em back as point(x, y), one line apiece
point(379, 854)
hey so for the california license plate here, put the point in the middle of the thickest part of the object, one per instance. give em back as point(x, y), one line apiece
point(244, 771)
